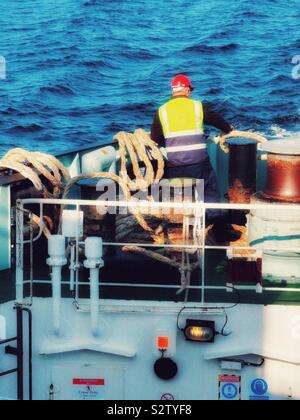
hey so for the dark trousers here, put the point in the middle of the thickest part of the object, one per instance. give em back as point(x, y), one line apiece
point(204, 171)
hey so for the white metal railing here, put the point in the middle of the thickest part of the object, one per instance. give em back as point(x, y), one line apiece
point(199, 212)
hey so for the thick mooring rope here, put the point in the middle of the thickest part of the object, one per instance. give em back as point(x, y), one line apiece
point(34, 164)
point(134, 148)
point(137, 147)
point(121, 183)
point(242, 135)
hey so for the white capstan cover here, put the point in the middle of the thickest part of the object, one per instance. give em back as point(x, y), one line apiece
point(56, 246)
point(283, 147)
point(93, 248)
point(72, 223)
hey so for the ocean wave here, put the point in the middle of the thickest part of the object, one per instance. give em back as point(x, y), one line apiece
point(32, 128)
point(278, 132)
point(97, 64)
point(215, 91)
point(286, 119)
point(77, 21)
point(15, 112)
point(139, 54)
point(253, 14)
point(203, 48)
point(283, 78)
point(93, 3)
point(9, 111)
point(222, 35)
point(85, 69)
point(132, 107)
point(60, 90)
point(55, 62)
point(83, 112)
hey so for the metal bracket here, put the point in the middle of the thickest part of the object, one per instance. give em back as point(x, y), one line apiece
point(13, 351)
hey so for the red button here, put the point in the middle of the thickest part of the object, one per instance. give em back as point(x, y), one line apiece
point(163, 342)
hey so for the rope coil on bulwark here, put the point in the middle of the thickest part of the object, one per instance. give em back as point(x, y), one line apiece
point(239, 134)
point(31, 165)
point(34, 164)
point(139, 147)
point(134, 147)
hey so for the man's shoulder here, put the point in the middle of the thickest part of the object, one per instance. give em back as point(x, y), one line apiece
point(172, 100)
point(197, 100)
point(166, 102)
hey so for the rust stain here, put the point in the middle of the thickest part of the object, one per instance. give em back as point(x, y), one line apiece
point(240, 194)
point(283, 178)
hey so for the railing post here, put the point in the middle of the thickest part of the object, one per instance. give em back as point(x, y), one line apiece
point(20, 353)
point(5, 232)
point(19, 252)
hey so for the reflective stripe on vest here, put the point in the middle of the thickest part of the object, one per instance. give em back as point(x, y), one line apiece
point(176, 149)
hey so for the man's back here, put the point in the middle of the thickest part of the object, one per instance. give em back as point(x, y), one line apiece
point(182, 113)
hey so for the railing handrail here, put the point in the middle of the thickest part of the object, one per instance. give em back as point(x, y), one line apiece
point(159, 205)
point(200, 209)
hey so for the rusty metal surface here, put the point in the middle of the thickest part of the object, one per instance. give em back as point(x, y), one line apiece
point(240, 194)
point(283, 178)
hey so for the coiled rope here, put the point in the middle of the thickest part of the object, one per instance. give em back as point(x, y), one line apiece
point(136, 147)
point(139, 146)
point(34, 164)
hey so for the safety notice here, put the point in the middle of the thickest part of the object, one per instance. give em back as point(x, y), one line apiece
point(229, 388)
point(88, 389)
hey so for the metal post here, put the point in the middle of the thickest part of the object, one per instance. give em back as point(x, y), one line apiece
point(77, 256)
point(19, 252)
point(20, 353)
point(30, 352)
point(203, 255)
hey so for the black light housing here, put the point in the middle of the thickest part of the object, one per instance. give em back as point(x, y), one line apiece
point(200, 331)
point(165, 368)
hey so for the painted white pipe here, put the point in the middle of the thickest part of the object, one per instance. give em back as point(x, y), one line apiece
point(94, 282)
point(94, 261)
point(19, 284)
point(56, 298)
point(72, 268)
point(56, 260)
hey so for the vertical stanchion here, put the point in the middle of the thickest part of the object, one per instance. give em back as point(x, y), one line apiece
point(19, 251)
point(20, 353)
point(203, 255)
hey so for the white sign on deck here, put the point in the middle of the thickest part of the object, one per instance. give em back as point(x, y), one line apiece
point(88, 389)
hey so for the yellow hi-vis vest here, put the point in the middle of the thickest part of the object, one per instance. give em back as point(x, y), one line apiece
point(182, 123)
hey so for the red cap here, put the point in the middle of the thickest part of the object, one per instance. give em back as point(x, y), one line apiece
point(181, 81)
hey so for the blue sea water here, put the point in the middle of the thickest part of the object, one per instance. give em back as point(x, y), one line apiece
point(78, 71)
